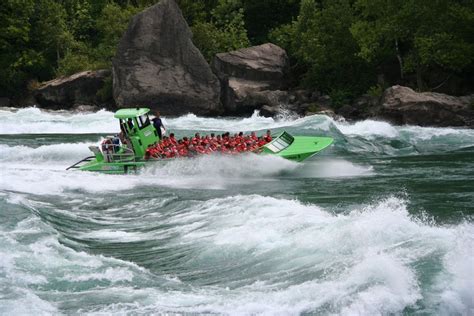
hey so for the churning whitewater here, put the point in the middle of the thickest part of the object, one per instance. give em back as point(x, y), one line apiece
point(379, 223)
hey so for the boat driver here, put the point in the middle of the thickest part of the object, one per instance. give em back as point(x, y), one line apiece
point(158, 124)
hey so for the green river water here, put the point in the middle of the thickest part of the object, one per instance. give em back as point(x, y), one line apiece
point(381, 223)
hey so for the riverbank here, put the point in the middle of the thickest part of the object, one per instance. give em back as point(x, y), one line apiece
point(157, 65)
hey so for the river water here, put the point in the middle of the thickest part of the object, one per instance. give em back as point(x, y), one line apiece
point(379, 223)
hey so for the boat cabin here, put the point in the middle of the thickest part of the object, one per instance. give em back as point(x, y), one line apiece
point(137, 128)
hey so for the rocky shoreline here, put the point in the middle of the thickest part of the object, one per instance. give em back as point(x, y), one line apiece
point(157, 66)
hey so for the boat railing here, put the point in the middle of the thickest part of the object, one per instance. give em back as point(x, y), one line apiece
point(80, 163)
point(122, 154)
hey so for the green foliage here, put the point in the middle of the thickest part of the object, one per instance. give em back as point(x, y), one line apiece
point(340, 97)
point(336, 46)
point(263, 16)
point(423, 36)
point(321, 40)
point(31, 42)
point(286, 36)
point(110, 28)
point(314, 108)
point(74, 62)
point(375, 91)
point(225, 32)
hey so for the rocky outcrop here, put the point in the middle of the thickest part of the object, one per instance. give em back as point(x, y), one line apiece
point(158, 66)
point(402, 105)
point(247, 72)
point(68, 92)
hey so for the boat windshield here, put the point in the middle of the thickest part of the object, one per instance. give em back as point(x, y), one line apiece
point(280, 143)
point(143, 121)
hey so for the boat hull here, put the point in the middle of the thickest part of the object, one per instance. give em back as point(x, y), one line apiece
point(113, 167)
point(295, 148)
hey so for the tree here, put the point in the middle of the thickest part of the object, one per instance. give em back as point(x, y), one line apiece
point(225, 32)
point(31, 40)
point(265, 15)
point(422, 35)
point(321, 40)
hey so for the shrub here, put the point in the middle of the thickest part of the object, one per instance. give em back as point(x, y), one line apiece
point(375, 91)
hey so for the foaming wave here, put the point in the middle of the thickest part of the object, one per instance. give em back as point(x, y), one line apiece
point(50, 182)
point(364, 262)
point(38, 273)
point(36, 121)
point(216, 171)
point(299, 258)
point(57, 154)
point(334, 168)
point(209, 172)
point(263, 255)
point(368, 128)
point(252, 123)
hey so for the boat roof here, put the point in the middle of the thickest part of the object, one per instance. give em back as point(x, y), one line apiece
point(130, 113)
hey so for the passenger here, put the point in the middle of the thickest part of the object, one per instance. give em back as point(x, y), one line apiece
point(116, 143)
point(268, 136)
point(164, 142)
point(225, 149)
point(148, 152)
point(158, 124)
point(172, 139)
point(200, 148)
point(182, 152)
point(196, 139)
point(240, 137)
point(253, 136)
point(186, 141)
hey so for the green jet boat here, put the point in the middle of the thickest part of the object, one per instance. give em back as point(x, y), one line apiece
point(124, 153)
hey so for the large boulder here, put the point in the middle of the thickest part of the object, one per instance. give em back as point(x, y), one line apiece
point(157, 65)
point(402, 105)
point(246, 72)
point(68, 92)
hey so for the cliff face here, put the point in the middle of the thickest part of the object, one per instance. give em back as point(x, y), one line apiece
point(158, 66)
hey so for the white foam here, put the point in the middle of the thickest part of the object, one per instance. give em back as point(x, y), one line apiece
point(333, 168)
point(113, 275)
point(292, 258)
point(369, 255)
point(46, 182)
point(36, 121)
point(115, 236)
point(216, 171)
point(429, 133)
point(453, 291)
point(368, 128)
point(55, 154)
